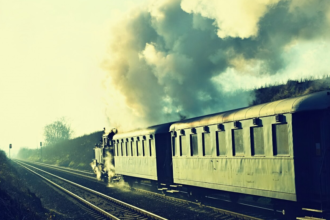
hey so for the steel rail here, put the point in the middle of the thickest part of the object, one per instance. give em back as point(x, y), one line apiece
point(118, 202)
point(60, 169)
point(104, 213)
point(217, 210)
point(182, 201)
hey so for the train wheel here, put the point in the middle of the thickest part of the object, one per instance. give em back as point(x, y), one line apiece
point(105, 177)
point(195, 194)
point(129, 181)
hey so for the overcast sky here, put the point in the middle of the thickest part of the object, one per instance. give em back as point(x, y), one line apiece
point(50, 57)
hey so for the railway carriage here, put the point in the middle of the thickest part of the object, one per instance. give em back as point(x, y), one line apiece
point(144, 153)
point(277, 150)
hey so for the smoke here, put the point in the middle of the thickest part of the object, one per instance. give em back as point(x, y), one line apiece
point(238, 18)
point(194, 57)
point(96, 169)
point(109, 168)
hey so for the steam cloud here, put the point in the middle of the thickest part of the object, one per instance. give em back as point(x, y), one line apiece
point(108, 167)
point(96, 169)
point(195, 57)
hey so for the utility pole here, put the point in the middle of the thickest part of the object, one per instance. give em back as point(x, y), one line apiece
point(10, 146)
point(41, 151)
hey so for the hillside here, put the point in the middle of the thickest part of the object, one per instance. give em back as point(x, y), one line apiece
point(75, 153)
point(290, 89)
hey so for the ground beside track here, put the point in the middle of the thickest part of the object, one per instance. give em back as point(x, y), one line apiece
point(17, 201)
point(60, 205)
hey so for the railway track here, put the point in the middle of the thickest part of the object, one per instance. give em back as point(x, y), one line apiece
point(216, 213)
point(62, 168)
point(85, 174)
point(101, 205)
point(213, 212)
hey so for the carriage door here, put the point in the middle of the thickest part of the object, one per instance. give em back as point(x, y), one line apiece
point(320, 158)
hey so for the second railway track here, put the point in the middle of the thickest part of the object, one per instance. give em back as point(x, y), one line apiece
point(104, 205)
point(212, 212)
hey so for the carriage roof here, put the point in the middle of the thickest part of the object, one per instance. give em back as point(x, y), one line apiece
point(156, 129)
point(314, 101)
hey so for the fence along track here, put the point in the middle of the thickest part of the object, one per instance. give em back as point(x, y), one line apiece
point(143, 213)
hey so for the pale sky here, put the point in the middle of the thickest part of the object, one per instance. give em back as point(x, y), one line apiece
point(163, 57)
point(50, 65)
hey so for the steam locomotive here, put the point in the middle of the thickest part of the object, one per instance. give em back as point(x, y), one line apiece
point(278, 150)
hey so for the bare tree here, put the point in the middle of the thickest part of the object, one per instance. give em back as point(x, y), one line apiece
point(57, 131)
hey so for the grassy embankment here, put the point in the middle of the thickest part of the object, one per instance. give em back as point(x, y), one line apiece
point(16, 201)
point(75, 153)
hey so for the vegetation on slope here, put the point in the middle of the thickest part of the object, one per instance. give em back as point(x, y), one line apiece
point(75, 153)
point(290, 89)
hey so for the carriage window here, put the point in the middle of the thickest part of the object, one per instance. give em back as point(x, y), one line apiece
point(134, 148)
point(122, 149)
point(131, 148)
point(257, 141)
point(238, 147)
point(183, 145)
point(145, 148)
point(140, 148)
point(173, 146)
point(137, 148)
point(207, 148)
point(221, 143)
point(193, 145)
point(116, 147)
point(151, 147)
point(128, 150)
point(119, 149)
point(280, 139)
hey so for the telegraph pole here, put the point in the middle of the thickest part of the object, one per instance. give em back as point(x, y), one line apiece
point(40, 151)
point(10, 146)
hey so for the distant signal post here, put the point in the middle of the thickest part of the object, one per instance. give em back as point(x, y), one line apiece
point(40, 151)
point(10, 146)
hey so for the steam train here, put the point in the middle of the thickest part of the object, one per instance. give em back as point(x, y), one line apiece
point(278, 150)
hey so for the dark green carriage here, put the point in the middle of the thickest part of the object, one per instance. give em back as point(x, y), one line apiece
point(144, 153)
